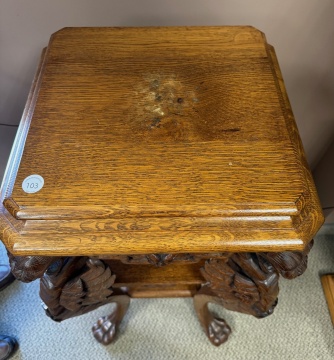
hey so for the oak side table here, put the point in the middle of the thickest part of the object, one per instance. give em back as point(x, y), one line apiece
point(158, 162)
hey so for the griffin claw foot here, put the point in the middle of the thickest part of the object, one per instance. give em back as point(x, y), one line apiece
point(104, 330)
point(218, 331)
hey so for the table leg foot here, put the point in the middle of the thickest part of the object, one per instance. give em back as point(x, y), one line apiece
point(216, 329)
point(105, 329)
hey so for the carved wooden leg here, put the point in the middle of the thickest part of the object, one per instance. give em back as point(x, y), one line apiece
point(78, 285)
point(71, 286)
point(216, 329)
point(106, 327)
point(239, 282)
point(244, 282)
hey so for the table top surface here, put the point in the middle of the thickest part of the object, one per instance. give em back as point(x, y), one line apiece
point(159, 118)
point(167, 122)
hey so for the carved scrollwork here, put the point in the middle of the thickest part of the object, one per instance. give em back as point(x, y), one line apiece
point(289, 264)
point(163, 259)
point(154, 259)
point(30, 268)
point(160, 259)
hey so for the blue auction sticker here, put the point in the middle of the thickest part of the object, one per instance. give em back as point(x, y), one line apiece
point(32, 183)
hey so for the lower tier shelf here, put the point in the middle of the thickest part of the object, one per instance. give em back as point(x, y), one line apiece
point(149, 281)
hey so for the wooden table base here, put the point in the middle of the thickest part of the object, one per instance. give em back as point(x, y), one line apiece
point(243, 282)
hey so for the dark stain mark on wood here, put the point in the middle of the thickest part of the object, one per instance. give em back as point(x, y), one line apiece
point(155, 84)
point(155, 123)
point(231, 130)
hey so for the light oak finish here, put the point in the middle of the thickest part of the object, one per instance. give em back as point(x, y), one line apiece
point(328, 287)
point(172, 166)
point(177, 140)
point(145, 281)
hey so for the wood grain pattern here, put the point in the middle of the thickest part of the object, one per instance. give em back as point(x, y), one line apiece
point(311, 216)
point(328, 287)
point(159, 140)
point(136, 242)
point(96, 122)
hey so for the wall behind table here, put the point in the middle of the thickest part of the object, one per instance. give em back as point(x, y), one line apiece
point(301, 31)
point(323, 175)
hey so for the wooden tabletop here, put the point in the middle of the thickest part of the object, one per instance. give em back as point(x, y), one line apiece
point(171, 131)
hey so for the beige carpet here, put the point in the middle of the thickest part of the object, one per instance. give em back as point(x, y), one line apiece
point(300, 328)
